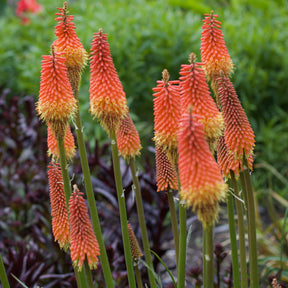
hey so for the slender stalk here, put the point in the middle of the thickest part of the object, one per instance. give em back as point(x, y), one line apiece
point(253, 264)
point(122, 210)
point(233, 241)
point(241, 233)
point(88, 274)
point(209, 256)
point(91, 201)
point(174, 223)
point(138, 277)
point(141, 218)
point(182, 244)
point(3, 275)
point(204, 236)
point(81, 282)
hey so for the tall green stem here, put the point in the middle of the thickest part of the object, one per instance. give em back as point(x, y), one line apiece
point(122, 210)
point(241, 232)
point(204, 243)
point(208, 256)
point(3, 275)
point(91, 201)
point(138, 277)
point(233, 241)
point(141, 218)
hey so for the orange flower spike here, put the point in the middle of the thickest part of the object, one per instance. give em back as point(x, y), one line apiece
point(166, 176)
point(107, 98)
point(239, 136)
point(195, 93)
point(83, 240)
point(202, 186)
point(214, 53)
point(60, 221)
point(128, 140)
point(69, 144)
point(166, 114)
point(56, 103)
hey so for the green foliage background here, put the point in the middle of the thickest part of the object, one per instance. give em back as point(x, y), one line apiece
point(147, 36)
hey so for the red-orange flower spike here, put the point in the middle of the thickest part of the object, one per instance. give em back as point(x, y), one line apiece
point(239, 136)
point(83, 240)
point(56, 103)
point(202, 186)
point(107, 98)
point(69, 144)
point(166, 176)
point(166, 114)
point(214, 53)
point(195, 93)
point(60, 221)
point(128, 140)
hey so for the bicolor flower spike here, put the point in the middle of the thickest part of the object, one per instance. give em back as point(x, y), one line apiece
point(69, 144)
point(195, 93)
point(166, 114)
point(107, 98)
point(202, 185)
point(60, 221)
point(83, 240)
point(239, 136)
point(128, 140)
point(166, 176)
point(68, 42)
point(56, 104)
point(214, 53)
point(135, 249)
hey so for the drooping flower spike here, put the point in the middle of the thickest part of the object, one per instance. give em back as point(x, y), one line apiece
point(128, 140)
point(135, 249)
point(69, 144)
point(214, 53)
point(107, 98)
point(56, 104)
point(60, 221)
point(167, 112)
point(239, 136)
point(68, 42)
point(195, 93)
point(202, 185)
point(83, 240)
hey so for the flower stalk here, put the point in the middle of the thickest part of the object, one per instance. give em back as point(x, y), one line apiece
point(208, 256)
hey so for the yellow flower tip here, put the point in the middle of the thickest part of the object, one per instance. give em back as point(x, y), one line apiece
point(107, 98)
point(128, 140)
point(60, 221)
point(134, 245)
point(192, 58)
point(69, 144)
point(166, 176)
point(202, 185)
point(83, 240)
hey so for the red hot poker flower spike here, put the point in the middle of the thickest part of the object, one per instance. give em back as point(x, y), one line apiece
point(69, 144)
point(107, 98)
point(60, 221)
point(56, 103)
point(166, 114)
point(195, 93)
point(239, 136)
point(83, 240)
point(135, 249)
point(214, 53)
point(128, 140)
point(202, 186)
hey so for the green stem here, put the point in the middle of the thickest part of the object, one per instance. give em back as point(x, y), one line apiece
point(141, 218)
point(3, 275)
point(174, 223)
point(91, 201)
point(88, 274)
point(122, 210)
point(241, 233)
point(204, 244)
point(182, 245)
point(253, 264)
point(80, 278)
point(233, 241)
point(138, 277)
point(209, 256)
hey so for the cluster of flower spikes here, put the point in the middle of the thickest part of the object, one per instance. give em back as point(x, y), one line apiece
point(195, 93)
point(69, 144)
point(128, 140)
point(68, 42)
point(107, 98)
point(56, 104)
point(135, 249)
point(83, 240)
point(60, 221)
point(202, 185)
